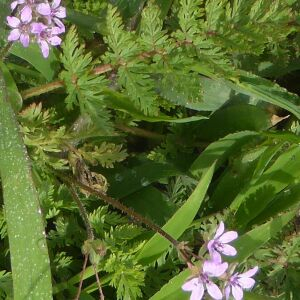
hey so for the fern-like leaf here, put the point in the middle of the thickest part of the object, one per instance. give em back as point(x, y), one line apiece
point(84, 88)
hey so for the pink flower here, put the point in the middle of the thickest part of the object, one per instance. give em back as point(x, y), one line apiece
point(53, 13)
point(45, 36)
point(238, 282)
point(38, 21)
point(26, 11)
point(219, 244)
point(201, 283)
point(21, 30)
point(14, 4)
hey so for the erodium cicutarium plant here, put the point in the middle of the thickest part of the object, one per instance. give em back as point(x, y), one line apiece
point(38, 22)
point(217, 277)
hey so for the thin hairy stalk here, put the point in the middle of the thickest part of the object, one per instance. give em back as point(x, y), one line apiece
point(98, 283)
point(105, 68)
point(82, 211)
point(140, 132)
point(81, 277)
point(42, 89)
point(118, 205)
point(58, 84)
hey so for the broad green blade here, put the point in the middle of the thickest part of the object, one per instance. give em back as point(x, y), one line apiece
point(27, 242)
point(179, 221)
point(220, 150)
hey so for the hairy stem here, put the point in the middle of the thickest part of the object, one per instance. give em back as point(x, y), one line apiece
point(118, 205)
point(42, 89)
point(58, 84)
point(81, 277)
point(98, 283)
point(83, 212)
point(140, 132)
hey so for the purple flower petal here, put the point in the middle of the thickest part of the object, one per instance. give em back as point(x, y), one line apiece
point(213, 269)
point(190, 285)
point(216, 257)
point(55, 41)
point(220, 230)
point(229, 250)
point(37, 28)
point(13, 5)
point(214, 291)
point(24, 39)
point(60, 25)
point(14, 35)
point(56, 30)
point(26, 14)
point(13, 22)
point(228, 237)
point(44, 9)
point(45, 48)
point(197, 293)
point(227, 291)
point(55, 3)
point(246, 283)
point(249, 273)
point(210, 245)
point(61, 12)
point(237, 292)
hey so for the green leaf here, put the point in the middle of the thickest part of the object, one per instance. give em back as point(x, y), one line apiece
point(256, 238)
point(86, 93)
point(129, 9)
point(265, 90)
point(87, 22)
point(254, 296)
point(234, 118)
point(151, 203)
point(220, 150)
point(281, 202)
point(235, 177)
point(164, 6)
point(125, 181)
point(253, 200)
point(179, 221)
point(16, 99)
point(28, 247)
point(121, 102)
point(47, 67)
point(215, 94)
point(172, 289)
point(4, 12)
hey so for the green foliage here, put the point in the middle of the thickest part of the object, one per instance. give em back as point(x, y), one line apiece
point(106, 154)
point(171, 108)
point(27, 240)
point(40, 137)
point(242, 26)
point(189, 19)
point(84, 89)
point(128, 276)
point(151, 32)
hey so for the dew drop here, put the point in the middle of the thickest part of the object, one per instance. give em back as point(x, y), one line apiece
point(145, 181)
point(118, 177)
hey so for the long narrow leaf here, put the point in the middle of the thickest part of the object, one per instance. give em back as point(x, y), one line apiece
point(28, 249)
point(179, 221)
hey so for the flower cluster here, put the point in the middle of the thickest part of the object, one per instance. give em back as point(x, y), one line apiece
point(38, 21)
point(234, 284)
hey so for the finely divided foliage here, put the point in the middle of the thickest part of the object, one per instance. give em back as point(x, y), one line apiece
point(149, 124)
